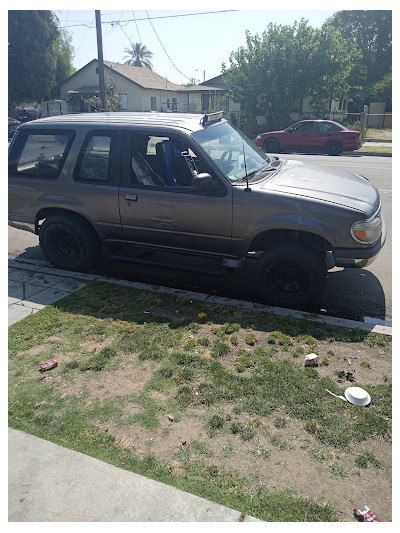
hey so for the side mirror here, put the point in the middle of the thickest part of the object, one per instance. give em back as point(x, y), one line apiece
point(202, 182)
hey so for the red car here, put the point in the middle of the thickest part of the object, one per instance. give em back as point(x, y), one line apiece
point(307, 135)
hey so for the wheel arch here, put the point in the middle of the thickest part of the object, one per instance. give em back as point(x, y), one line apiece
point(268, 237)
point(47, 212)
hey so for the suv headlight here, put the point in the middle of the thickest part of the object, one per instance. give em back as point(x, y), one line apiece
point(367, 231)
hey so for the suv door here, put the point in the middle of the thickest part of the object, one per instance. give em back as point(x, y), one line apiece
point(164, 212)
point(96, 182)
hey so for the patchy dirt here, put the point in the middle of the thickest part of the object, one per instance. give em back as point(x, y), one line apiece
point(280, 456)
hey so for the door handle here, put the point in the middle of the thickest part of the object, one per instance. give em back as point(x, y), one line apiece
point(131, 197)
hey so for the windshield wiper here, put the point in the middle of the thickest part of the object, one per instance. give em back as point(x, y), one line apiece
point(256, 172)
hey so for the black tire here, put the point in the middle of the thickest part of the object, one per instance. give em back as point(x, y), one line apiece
point(333, 148)
point(272, 145)
point(292, 275)
point(68, 242)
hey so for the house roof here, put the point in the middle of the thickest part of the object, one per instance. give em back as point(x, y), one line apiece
point(202, 88)
point(146, 78)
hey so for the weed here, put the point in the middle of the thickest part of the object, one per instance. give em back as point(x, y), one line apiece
point(214, 423)
point(201, 448)
point(245, 431)
point(330, 352)
point(365, 364)
point(261, 453)
point(307, 339)
point(366, 457)
point(265, 352)
point(280, 422)
point(251, 339)
point(338, 470)
point(184, 396)
point(165, 371)
point(324, 361)
point(231, 328)
point(374, 339)
point(220, 349)
point(276, 337)
point(234, 340)
point(298, 351)
point(203, 341)
point(281, 444)
point(227, 449)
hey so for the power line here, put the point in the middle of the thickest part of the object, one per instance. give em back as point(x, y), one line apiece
point(182, 74)
point(114, 22)
point(137, 29)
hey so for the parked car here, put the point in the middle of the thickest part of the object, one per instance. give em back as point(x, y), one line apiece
point(326, 135)
point(191, 189)
point(25, 114)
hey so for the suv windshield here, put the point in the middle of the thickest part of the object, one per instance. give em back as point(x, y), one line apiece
point(231, 151)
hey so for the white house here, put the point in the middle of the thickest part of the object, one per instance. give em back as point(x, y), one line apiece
point(142, 89)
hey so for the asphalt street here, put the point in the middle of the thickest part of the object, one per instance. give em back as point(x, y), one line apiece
point(351, 293)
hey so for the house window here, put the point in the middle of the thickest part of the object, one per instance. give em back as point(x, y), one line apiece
point(123, 104)
point(168, 103)
point(153, 103)
point(174, 104)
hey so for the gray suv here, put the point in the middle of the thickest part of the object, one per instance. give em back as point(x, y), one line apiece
point(194, 187)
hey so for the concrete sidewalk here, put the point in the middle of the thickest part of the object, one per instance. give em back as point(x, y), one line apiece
point(49, 483)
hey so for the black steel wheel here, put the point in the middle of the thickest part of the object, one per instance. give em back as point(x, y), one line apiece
point(272, 145)
point(68, 242)
point(292, 275)
point(333, 148)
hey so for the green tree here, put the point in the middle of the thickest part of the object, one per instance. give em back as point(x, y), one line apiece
point(138, 56)
point(113, 99)
point(63, 51)
point(272, 72)
point(38, 55)
point(371, 33)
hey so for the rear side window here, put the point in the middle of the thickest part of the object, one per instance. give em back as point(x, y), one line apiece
point(94, 163)
point(40, 154)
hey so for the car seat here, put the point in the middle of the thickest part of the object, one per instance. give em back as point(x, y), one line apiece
point(167, 153)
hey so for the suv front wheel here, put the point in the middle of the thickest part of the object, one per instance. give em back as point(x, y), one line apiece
point(68, 243)
point(292, 275)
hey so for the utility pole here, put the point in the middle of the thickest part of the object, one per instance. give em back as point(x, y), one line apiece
point(100, 60)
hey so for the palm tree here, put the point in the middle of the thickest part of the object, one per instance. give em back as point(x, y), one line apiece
point(138, 56)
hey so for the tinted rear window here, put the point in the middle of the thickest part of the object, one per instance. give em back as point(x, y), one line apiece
point(40, 154)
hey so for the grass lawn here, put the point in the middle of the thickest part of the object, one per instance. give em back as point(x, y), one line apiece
point(220, 406)
point(375, 149)
point(383, 135)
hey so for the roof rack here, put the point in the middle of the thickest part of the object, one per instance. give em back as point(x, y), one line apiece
point(211, 117)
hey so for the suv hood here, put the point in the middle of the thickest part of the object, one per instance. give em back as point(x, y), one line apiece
point(329, 185)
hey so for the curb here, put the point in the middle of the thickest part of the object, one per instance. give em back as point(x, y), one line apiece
point(207, 298)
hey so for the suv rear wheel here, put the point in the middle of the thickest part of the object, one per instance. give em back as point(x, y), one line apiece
point(292, 275)
point(68, 243)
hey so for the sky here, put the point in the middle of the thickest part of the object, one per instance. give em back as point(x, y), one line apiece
point(183, 47)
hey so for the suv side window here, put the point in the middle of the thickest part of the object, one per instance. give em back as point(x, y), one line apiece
point(158, 161)
point(94, 164)
point(40, 154)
